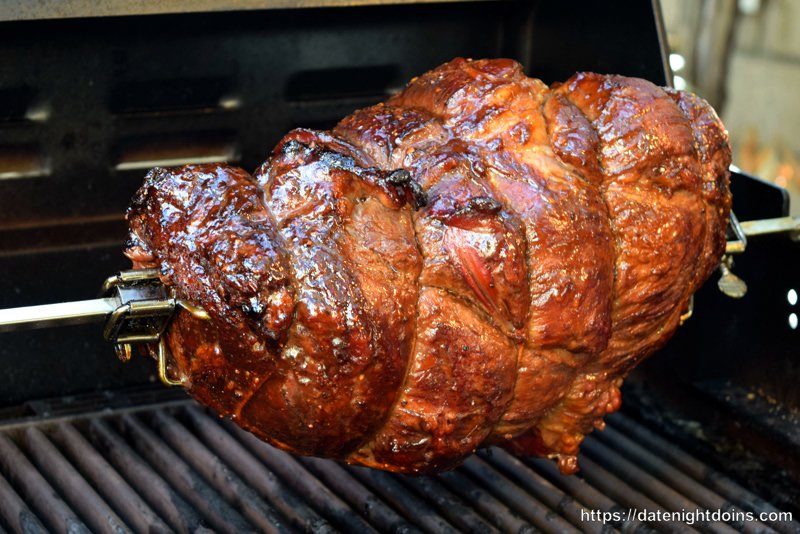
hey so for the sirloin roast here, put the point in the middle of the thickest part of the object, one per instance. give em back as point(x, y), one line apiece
point(479, 260)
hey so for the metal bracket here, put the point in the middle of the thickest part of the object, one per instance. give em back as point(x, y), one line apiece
point(163, 355)
point(738, 243)
point(145, 310)
point(738, 232)
point(685, 316)
point(144, 307)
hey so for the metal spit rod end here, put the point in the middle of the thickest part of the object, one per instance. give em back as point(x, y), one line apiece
point(730, 284)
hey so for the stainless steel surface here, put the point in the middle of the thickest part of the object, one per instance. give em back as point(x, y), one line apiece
point(772, 226)
point(63, 313)
point(174, 466)
point(743, 230)
point(59, 9)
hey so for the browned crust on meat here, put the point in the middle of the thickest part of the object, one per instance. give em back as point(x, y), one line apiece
point(536, 244)
point(652, 186)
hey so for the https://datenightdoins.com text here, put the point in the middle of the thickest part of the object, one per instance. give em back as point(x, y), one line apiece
point(689, 517)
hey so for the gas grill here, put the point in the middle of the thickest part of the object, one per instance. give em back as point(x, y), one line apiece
point(90, 99)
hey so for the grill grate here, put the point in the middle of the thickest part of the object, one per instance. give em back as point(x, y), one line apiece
point(175, 467)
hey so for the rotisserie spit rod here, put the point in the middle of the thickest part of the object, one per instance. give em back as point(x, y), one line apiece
point(63, 313)
point(134, 304)
point(136, 307)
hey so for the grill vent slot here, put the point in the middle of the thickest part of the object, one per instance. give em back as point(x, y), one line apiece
point(180, 148)
point(372, 82)
point(322, 125)
point(21, 161)
point(172, 95)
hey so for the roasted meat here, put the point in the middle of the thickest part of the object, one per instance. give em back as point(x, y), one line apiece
point(479, 260)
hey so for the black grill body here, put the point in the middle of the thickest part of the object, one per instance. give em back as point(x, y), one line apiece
point(88, 103)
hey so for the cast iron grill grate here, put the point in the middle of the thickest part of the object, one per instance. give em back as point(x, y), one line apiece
point(175, 467)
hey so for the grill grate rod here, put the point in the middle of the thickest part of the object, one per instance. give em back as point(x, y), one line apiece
point(178, 468)
point(220, 476)
point(618, 490)
point(485, 503)
point(675, 479)
point(77, 491)
point(544, 491)
point(647, 484)
point(411, 505)
point(220, 514)
point(20, 517)
point(695, 469)
point(585, 493)
point(52, 510)
point(172, 508)
point(523, 503)
point(459, 514)
point(260, 457)
point(377, 512)
point(107, 480)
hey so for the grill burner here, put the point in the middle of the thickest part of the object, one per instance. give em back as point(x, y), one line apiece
point(173, 466)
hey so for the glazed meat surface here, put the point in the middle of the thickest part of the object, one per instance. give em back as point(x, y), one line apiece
point(479, 260)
